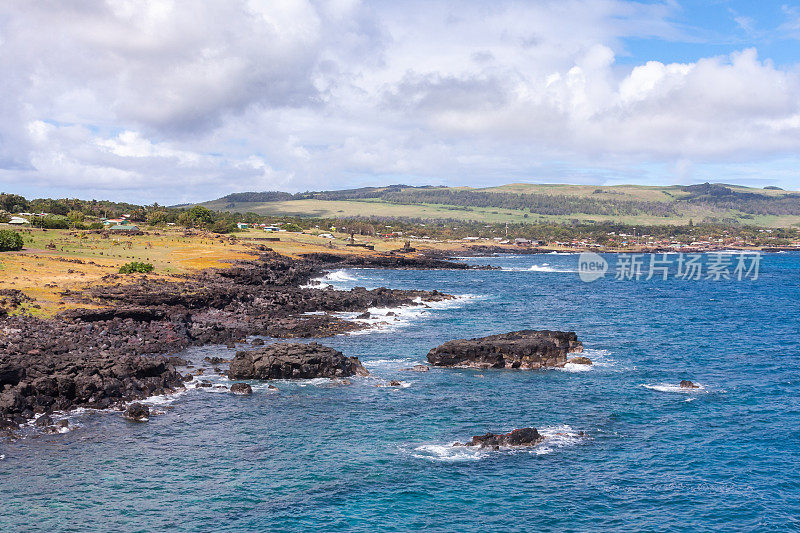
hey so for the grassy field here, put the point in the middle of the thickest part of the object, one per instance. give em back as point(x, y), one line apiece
point(54, 261)
point(379, 208)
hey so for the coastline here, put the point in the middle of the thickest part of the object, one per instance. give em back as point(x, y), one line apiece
point(108, 342)
point(114, 347)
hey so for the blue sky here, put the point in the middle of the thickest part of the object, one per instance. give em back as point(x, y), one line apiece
point(721, 27)
point(174, 101)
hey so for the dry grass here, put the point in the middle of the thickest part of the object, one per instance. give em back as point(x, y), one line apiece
point(54, 261)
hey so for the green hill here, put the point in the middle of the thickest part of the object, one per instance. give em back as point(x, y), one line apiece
point(631, 204)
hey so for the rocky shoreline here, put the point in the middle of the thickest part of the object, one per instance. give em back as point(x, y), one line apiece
point(101, 355)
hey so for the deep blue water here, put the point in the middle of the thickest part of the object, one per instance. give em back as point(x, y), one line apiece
point(365, 458)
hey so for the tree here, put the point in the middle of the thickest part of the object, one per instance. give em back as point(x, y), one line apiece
point(157, 218)
point(197, 215)
point(13, 203)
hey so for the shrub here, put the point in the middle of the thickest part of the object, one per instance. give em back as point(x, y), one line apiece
point(135, 266)
point(291, 227)
point(10, 241)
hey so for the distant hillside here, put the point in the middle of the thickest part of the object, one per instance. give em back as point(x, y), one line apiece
point(634, 204)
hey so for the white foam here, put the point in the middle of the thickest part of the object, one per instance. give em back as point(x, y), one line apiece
point(392, 364)
point(403, 315)
point(574, 367)
point(600, 360)
point(447, 453)
point(544, 267)
point(556, 437)
point(669, 387)
point(331, 278)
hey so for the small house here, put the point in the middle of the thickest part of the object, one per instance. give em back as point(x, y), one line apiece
point(18, 221)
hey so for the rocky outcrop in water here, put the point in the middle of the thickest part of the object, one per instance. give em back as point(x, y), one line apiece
point(579, 361)
point(526, 349)
point(137, 412)
point(686, 384)
point(518, 437)
point(294, 361)
point(241, 388)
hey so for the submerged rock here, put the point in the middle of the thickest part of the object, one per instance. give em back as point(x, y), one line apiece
point(241, 388)
point(686, 384)
point(43, 421)
point(416, 368)
point(137, 412)
point(294, 361)
point(580, 361)
point(527, 349)
point(518, 437)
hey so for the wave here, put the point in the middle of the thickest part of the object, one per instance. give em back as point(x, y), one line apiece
point(385, 319)
point(544, 267)
point(600, 359)
point(670, 387)
point(556, 437)
point(392, 364)
point(573, 367)
point(447, 453)
point(329, 279)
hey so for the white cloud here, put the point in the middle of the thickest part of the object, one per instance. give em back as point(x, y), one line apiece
point(176, 100)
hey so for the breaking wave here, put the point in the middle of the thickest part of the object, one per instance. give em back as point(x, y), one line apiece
point(556, 438)
point(671, 387)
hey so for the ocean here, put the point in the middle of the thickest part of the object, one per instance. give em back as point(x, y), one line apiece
point(320, 456)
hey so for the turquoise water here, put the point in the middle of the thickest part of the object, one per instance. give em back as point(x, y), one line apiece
point(366, 458)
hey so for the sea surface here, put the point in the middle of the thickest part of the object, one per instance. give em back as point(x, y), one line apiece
point(316, 456)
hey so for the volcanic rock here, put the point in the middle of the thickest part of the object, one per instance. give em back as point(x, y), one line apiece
point(294, 361)
point(241, 388)
point(686, 384)
point(518, 437)
point(137, 412)
point(527, 349)
point(43, 421)
point(416, 368)
point(580, 361)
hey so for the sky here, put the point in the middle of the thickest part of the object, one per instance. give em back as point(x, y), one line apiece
point(175, 101)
